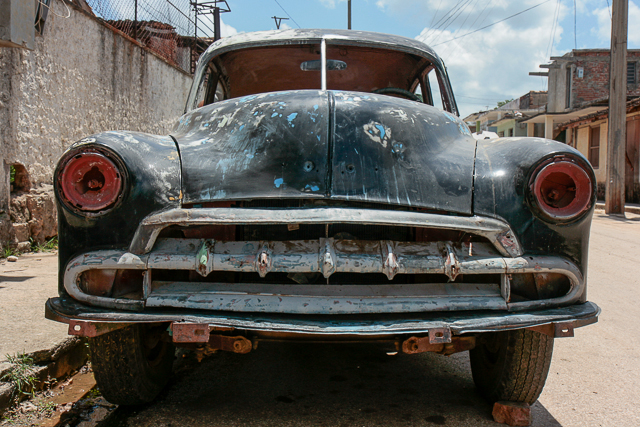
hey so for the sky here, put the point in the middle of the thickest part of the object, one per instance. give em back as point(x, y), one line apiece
point(485, 67)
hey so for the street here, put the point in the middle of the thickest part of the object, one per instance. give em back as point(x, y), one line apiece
point(594, 378)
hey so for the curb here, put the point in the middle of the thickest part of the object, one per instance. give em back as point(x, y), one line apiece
point(55, 363)
point(627, 208)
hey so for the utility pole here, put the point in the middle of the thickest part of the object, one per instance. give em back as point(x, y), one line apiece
point(349, 15)
point(616, 141)
point(279, 21)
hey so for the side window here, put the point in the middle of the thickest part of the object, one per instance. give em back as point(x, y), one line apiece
point(434, 88)
point(212, 88)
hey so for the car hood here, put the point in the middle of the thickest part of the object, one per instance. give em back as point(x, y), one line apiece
point(326, 144)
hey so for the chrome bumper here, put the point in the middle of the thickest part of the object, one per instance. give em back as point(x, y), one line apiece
point(91, 321)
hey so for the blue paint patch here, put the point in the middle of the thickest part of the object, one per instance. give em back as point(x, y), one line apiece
point(382, 131)
point(274, 114)
point(248, 98)
point(256, 113)
point(278, 182)
point(356, 151)
point(312, 187)
point(241, 127)
point(291, 117)
point(318, 136)
point(315, 107)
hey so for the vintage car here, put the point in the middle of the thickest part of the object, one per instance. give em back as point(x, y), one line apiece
point(321, 187)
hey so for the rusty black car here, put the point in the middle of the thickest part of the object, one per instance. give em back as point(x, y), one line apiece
point(320, 186)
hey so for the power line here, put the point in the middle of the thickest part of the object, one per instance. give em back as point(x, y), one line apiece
point(294, 21)
point(491, 25)
point(554, 27)
point(575, 25)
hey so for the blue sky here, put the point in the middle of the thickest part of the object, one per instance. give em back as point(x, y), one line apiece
point(485, 67)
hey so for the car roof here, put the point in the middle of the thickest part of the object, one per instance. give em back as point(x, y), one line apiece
point(307, 36)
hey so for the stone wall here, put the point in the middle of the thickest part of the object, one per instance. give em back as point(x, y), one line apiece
point(82, 78)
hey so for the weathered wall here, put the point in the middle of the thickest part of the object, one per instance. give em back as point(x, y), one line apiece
point(594, 83)
point(82, 78)
point(583, 146)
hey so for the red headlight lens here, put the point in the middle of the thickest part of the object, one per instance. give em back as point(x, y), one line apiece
point(562, 190)
point(90, 182)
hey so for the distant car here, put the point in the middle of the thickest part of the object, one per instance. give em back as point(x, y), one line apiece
point(320, 186)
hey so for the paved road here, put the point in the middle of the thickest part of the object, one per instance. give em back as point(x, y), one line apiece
point(594, 378)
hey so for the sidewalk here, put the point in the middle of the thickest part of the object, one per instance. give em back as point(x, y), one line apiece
point(628, 207)
point(25, 286)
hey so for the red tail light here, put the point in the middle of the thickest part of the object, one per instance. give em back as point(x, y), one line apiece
point(562, 189)
point(90, 182)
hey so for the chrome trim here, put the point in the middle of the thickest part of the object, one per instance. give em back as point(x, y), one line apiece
point(204, 256)
point(496, 231)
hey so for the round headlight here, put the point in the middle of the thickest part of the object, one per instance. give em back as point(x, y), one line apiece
point(562, 189)
point(89, 182)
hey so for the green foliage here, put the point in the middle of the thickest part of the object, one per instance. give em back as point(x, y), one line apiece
point(7, 251)
point(22, 375)
point(506, 101)
point(48, 246)
point(12, 174)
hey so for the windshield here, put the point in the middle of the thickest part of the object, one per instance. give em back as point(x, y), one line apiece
point(256, 70)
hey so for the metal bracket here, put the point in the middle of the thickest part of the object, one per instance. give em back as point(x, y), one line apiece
point(204, 259)
point(556, 330)
point(451, 264)
point(183, 332)
point(327, 257)
point(264, 260)
point(439, 335)
point(82, 328)
point(390, 264)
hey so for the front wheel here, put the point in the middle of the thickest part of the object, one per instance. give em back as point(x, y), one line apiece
point(511, 365)
point(132, 365)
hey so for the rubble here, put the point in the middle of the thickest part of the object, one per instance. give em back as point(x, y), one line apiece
point(512, 413)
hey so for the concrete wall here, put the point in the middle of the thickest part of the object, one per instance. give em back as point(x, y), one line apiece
point(594, 83)
point(82, 78)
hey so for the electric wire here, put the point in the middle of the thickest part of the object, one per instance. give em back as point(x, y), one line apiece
point(575, 25)
point(492, 24)
point(294, 21)
point(554, 27)
point(439, 23)
point(450, 20)
point(433, 18)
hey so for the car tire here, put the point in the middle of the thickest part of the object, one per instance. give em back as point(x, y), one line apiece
point(511, 365)
point(132, 365)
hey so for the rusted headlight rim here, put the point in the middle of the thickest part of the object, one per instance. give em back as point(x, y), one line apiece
point(578, 169)
point(91, 150)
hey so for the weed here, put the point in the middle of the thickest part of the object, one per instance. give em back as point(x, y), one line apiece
point(22, 374)
point(48, 246)
point(7, 251)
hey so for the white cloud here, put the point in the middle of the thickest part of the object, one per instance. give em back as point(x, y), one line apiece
point(285, 26)
point(331, 4)
point(492, 64)
point(226, 30)
point(603, 32)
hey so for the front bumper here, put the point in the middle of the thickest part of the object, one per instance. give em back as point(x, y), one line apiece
point(92, 321)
